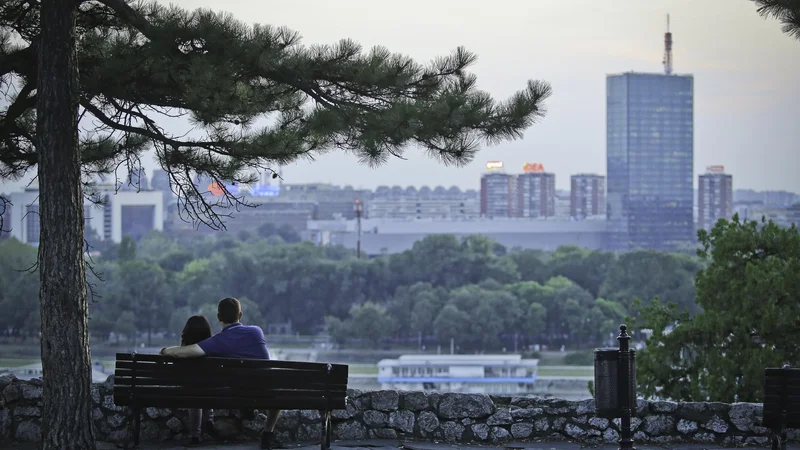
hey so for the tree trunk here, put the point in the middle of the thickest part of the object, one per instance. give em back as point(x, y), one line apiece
point(66, 362)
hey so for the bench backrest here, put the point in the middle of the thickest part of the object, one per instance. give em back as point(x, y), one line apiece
point(227, 383)
point(782, 396)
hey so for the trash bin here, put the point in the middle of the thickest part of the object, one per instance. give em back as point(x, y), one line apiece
point(608, 383)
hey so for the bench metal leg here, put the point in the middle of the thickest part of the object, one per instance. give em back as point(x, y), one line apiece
point(327, 432)
point(778, 439)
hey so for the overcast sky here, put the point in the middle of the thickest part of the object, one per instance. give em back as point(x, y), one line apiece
point(746, 71)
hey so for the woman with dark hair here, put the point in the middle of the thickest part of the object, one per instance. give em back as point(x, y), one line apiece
point(198, 329)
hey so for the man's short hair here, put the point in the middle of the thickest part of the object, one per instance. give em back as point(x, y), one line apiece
point(228, 310)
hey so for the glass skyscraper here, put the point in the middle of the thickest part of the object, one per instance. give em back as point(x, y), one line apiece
point(650, 158)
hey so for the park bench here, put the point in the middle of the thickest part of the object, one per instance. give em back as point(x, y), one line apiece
point(142, 381)
point(781, 403)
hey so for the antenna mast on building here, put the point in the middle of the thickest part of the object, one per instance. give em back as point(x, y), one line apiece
point(668, 50)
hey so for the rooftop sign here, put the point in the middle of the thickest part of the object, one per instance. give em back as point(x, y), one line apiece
point(494, 165)
point(533, 167)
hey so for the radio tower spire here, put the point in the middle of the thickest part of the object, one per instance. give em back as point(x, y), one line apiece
point(668, 50)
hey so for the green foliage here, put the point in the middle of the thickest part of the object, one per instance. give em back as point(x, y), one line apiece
point(648, 274)
point(579, 358)
point(444, 287)
point(750, 300)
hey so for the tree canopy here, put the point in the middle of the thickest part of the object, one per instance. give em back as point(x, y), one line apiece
point(750, 300)
point(483, 299)
point(255, 96)
point(786, 11)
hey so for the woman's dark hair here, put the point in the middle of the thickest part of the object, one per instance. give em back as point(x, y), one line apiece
point(197, 329)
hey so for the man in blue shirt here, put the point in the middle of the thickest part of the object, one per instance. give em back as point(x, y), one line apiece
point(235, 341)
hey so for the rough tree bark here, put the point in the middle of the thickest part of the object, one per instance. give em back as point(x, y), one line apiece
point(66, 362)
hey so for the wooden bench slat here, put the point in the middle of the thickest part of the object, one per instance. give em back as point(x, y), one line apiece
point(235, 363)
point(313, 403)
point(226, 372)
point(227, 392)
point(254, 381)
point(188, 370)
point(208, 383)
point(776, 372)
point(248, 363)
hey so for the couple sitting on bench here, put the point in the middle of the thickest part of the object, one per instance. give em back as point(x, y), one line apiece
point(235, 341)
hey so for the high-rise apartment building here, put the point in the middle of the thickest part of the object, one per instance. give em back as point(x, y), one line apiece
point(650, 155)
point(535, 195)
point(497, 194)
point(587, 195)
point(715, 197)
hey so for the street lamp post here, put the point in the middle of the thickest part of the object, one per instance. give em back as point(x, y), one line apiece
point(357, 208)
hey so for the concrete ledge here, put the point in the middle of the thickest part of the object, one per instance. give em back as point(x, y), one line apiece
point(417, 416)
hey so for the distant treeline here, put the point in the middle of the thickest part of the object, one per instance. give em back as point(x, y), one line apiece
point(473, 290)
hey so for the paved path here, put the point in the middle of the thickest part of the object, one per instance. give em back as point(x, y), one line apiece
point(378, 444)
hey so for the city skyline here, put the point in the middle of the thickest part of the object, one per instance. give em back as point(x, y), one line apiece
point(746, 98)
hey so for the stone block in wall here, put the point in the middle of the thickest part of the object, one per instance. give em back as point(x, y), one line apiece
point(521, 430)
point(745, 415)
point(662, 407)
point(659, 425)
point(501, 417)
point(289, 420)
point(12, 392)
point(361, 400)
point(480, 431)
point(414, 401)
point(28, 431)
point(499, 435)
point(309, 432)
point(428, 422)
point(310, 416)
point(686, 426)
point(402, 421)
point(383, 433)
point(452, 431)
point(349, 431)
point(385, 400)
point(5, 423)
point(349, 412)
point(6, 379)
point(375, 419)
point(525, 414)
point(460, 406)
point(717, 425)
point(586, 407)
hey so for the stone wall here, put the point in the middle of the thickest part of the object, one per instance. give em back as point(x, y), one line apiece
point(417, 415)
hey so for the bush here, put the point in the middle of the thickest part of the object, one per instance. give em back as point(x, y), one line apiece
point(580, 358)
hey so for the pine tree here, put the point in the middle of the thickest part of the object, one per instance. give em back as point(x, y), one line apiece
point(786, 11)
point(258, 99)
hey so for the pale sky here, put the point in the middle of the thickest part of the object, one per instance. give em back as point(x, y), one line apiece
point(746, 71)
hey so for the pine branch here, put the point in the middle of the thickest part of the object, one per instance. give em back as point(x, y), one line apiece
point(786, 11)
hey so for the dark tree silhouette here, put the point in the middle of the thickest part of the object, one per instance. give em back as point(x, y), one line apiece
point(786, 11)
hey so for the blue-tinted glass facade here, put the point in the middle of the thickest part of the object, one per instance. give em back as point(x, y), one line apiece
point(650, 157)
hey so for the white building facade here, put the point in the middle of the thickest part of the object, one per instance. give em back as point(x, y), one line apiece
point(479, 374)
point(119, 214)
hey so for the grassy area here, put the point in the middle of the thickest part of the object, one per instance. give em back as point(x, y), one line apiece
point(16, 362)
point(363, 369)
point(576, 371)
